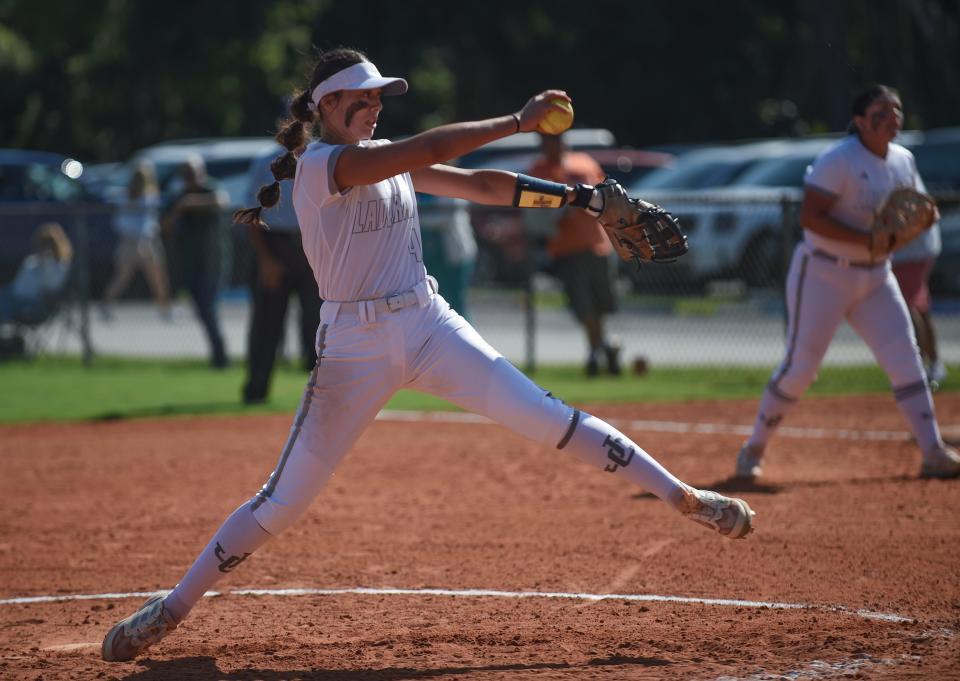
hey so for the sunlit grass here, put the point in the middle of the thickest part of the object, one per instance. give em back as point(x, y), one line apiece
point(62, 389)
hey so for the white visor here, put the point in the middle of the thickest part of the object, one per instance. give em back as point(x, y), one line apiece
point(362, 76)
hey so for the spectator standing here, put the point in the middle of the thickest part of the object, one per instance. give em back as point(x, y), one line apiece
point(581, 253)
point(279, 269)
point(137, 223)
point(196, 216)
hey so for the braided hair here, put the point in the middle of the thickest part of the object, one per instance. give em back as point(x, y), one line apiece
point(295, 131)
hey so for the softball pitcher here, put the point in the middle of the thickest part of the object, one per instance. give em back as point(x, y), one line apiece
point(832, 277)
point(384, 326)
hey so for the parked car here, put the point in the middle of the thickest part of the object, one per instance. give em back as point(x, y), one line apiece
point(38, 187)
point(710, 167)
point(97, 177)
point(938, 161)
point(945, 278)
point(737, 230)
point(627, 165)
point(938, 158)
point(227, 160)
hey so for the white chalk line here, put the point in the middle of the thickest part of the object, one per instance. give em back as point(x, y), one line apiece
point(653, 426)
point(489, 593)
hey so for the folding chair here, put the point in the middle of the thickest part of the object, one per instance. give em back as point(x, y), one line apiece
point(48, 328)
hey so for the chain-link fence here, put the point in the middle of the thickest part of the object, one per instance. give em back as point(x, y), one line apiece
point(720, 305)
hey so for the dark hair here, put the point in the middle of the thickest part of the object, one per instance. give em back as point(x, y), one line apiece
point(863, 101)
point(295, 131)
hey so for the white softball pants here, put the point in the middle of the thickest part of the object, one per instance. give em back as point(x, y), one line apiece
point(364, 357)
point(821, 293)
point(362, 362)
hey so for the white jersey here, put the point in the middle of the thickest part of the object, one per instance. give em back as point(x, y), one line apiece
point(364, 242)
point(861, 181)
point(138, 217)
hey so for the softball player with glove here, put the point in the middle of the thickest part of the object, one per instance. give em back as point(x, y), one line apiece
point(833, 276)
point(384, 326)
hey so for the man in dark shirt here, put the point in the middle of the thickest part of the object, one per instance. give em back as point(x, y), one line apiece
point(201, 246)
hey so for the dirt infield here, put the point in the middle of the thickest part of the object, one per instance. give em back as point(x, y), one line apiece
point(852, 572)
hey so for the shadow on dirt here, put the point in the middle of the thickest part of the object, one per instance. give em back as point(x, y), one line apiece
point(736, 486)
point(161, 410)
point(205, 668)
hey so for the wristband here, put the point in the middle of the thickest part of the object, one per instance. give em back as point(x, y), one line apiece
point(532, 192)
point(517, 119)
point(584, 194)
point(588, 198)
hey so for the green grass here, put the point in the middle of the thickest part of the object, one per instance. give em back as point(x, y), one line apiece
point(62, 389)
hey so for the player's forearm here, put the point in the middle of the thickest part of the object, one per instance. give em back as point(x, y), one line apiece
point(499, 188)
point(448, 142)
point(492, 187)
point(366, 165)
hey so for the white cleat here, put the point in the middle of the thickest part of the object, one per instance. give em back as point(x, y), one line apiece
point(748, 464)
point(943, 461)
point(131, 636)
point(729, 516)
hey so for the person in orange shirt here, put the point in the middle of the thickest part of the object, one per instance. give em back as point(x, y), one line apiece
point(581, 252)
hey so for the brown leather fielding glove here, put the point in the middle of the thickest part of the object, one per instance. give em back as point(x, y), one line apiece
point(904, 215)
point(639, 230)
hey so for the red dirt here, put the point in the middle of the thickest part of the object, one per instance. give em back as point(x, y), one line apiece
point(124, 507)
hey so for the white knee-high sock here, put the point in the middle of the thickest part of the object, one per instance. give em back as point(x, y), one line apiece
point(774, 406)
point(599, 444)
point(238, 537)
point(916, 404)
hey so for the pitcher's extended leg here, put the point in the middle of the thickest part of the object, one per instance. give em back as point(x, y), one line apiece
point(473, 375)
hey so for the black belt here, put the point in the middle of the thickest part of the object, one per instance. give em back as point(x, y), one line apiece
point(844, 262)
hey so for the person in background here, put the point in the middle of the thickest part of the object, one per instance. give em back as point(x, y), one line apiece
point(581, 253)
point(195, 214)
point(834, 276)
point(42, 275)
point(279, 269)
point(912, 266)
point(449, 247)
point(137, 222)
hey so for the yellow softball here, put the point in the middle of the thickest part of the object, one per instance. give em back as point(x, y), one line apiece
point(556, 122)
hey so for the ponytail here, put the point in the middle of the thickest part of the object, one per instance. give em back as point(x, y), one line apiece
point(293, 136)
point(295, 132)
